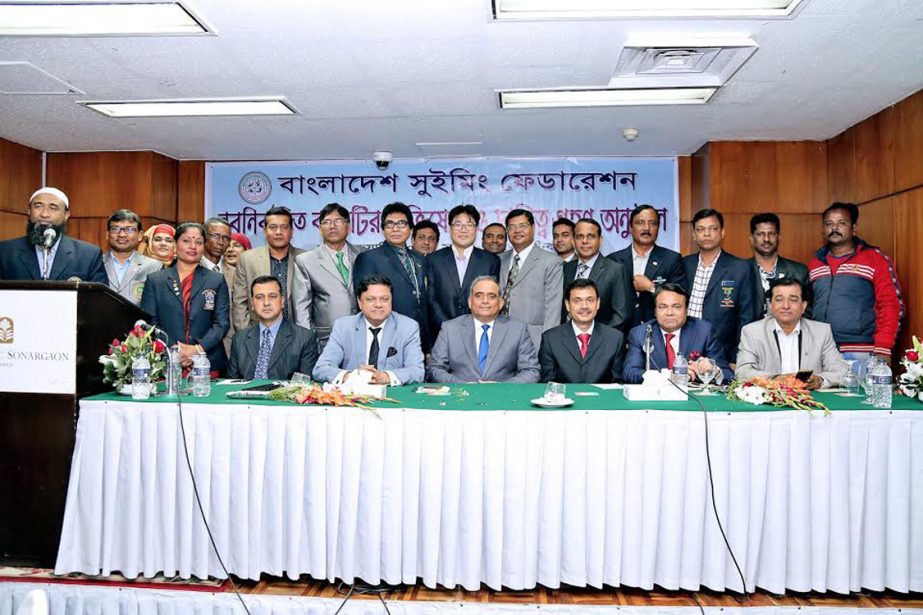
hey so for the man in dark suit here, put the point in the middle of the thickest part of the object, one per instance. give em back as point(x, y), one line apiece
point(405, 269)
point(453, 268)
point(582, 350)
point(768, 265)
point(673, 333)
point(610, 277)
point(46, 253)
point(483, 346)
point(273, 348)
point(648, 264)
point(722, 285)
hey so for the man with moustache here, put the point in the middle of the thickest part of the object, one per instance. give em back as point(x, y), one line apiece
point(493, 238)
point(582, 349)
point(126, 268)
point(648, 264)
point(425, 237)
point(46, 253)
point(562, 235)
point(765, 230)
point(217, 240)
point(855, 288)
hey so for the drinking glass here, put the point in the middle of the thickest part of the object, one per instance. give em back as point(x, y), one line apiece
point(850, 381)
point(555, 393)
point(300, 379)
point(707, 371)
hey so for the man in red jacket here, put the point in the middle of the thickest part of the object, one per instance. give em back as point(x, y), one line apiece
point(855, 287)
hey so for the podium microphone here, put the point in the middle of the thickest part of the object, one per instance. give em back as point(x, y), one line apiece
point(147, 327)
point(48, 238)
point(648, 347)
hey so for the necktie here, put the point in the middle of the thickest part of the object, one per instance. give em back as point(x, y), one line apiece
point(582, 270)
point(262, 359)
point(671, 354)
point(483, 348)
point(407, 262)
point(510, 280)
point(341, 267)
point(373, 349)
point(584, 343)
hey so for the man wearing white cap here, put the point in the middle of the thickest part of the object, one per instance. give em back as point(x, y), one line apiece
point(45, 253)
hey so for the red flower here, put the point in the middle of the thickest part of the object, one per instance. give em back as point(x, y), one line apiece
point(695, 355)
point(912, 355)
point(137, 331)
point(115, 343)
point(159, 346)
point(123, 348)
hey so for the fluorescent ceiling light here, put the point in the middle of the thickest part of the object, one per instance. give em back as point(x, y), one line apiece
point(603, 97)
point(171, 108)
point(594, 9)
point(98, 19)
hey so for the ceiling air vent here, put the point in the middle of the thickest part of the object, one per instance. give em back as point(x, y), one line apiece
point(678, 63)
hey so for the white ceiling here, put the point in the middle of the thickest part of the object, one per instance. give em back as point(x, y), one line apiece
point(369, 75)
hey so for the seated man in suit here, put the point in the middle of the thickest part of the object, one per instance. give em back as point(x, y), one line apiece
point(582, 350)
point(273, 348)
point(46, 253)
point(673, 332)
point(377, 340)
point(483, 346)
point(787, 343)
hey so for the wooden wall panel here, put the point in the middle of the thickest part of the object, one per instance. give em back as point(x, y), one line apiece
point(191, 190)
point(163, 187)
point(908, 219)
point(876, 224)
point(20, 176)
point(98, 183)
point(908, 146)
point(12, 224)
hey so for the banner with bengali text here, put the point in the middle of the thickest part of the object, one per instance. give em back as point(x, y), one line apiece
point(605, 189)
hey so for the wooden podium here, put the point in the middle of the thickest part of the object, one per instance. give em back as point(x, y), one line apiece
point(51, 337)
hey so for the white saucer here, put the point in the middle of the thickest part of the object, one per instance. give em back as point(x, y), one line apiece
point(541, 401)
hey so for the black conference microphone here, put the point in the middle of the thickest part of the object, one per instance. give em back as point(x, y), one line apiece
point(157, 331)
point(648, 346)
point(48, 237)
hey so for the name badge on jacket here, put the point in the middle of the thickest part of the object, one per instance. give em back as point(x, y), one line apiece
point(727, 289)
point(209, 295)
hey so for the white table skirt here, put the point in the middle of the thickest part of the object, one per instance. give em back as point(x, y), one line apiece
point(512, 499)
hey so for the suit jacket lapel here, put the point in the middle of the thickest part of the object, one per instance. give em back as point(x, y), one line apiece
point(325, 259)
point(29, 260)
point(471, 330)
point(198, 280)
point(595, 343)
point(110, 269)
point(251, 348)
point(386, 338)
point(572, 345)
point(391, 254)
point(281, 343)
point(717, 273)
point(527, 266)
point(495, 340)
point(62, 256)
point(175, 289)
point(653, 263)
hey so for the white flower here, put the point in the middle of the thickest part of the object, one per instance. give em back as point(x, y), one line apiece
point(752, 394)
point(105, 359)
point(914, 370)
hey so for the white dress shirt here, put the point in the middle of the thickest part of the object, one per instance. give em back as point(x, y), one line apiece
point(639, 261)
point(788, 348)
point(479, 330)
point(462, 261)
point(208, 264)
point(589, 267)
point(700, 285)
point(368, 347)
point(522, 255)
point(577, 330)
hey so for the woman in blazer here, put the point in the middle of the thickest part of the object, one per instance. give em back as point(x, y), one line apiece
point(189, 302)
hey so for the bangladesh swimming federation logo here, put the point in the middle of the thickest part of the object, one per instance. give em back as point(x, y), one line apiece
point(254, 187)
point(6, 330)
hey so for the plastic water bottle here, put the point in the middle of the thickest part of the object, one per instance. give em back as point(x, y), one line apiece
point(174, 370)
point(881, 385)
point(201, 376)
point(680, 371)
point(140, 378)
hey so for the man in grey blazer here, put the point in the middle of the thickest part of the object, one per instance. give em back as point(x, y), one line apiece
point(483, 346)
point(126, 268)
point(276, 258)
point(530, 278)
point(377, 340)
point(787, 343)
point(323, 288)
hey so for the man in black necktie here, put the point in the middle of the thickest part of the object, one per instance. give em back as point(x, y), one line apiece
point(406, 270)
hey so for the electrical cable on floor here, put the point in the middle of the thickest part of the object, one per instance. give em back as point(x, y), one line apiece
point(362, 591)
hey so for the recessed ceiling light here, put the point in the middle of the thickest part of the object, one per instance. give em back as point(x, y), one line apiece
point(173, 108)
point(603, 97)
point(595, 9)
point(99, 19)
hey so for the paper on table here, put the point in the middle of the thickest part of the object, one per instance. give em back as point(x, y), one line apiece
point(608, 387)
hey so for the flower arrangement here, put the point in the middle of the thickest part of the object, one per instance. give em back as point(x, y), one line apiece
point(328, 395)
point(787, 392)
point(117, 363)
point(910, 382)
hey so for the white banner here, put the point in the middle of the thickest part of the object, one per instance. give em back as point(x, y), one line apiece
point(38, 341)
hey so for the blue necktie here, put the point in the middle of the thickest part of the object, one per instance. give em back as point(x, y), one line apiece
point(262, 359)
point(483, 348)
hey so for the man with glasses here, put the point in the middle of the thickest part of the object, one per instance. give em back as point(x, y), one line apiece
point(46, 253)
point(276, 258)
point(405, 269)
point(217, 240)
point(126, 267)
point(323, 286)
point(454, 267)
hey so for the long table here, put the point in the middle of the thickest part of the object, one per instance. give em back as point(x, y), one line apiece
point(481, 487)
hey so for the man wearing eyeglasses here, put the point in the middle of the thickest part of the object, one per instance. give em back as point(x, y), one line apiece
point(276, 258)
point(126, 267)
point(323, 287)
point(217, 240)
point(406, 269)
point(454, 267)
point(46, 253)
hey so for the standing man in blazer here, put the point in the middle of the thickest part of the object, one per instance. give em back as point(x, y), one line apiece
point(767, 264)
point(452, 269)
point(483, 346)
point(323, 288)
point(46, 253)
point(723, 285)
point(530, 278)
point(610, 278)
point(404, 268)
point(274, 348)
point(276, 258)
point(787, 343)
point(582, 349)
point(126, 267)
point(648, 264)
point(377, 340)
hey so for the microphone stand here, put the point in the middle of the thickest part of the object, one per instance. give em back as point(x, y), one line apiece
point(648, 347)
